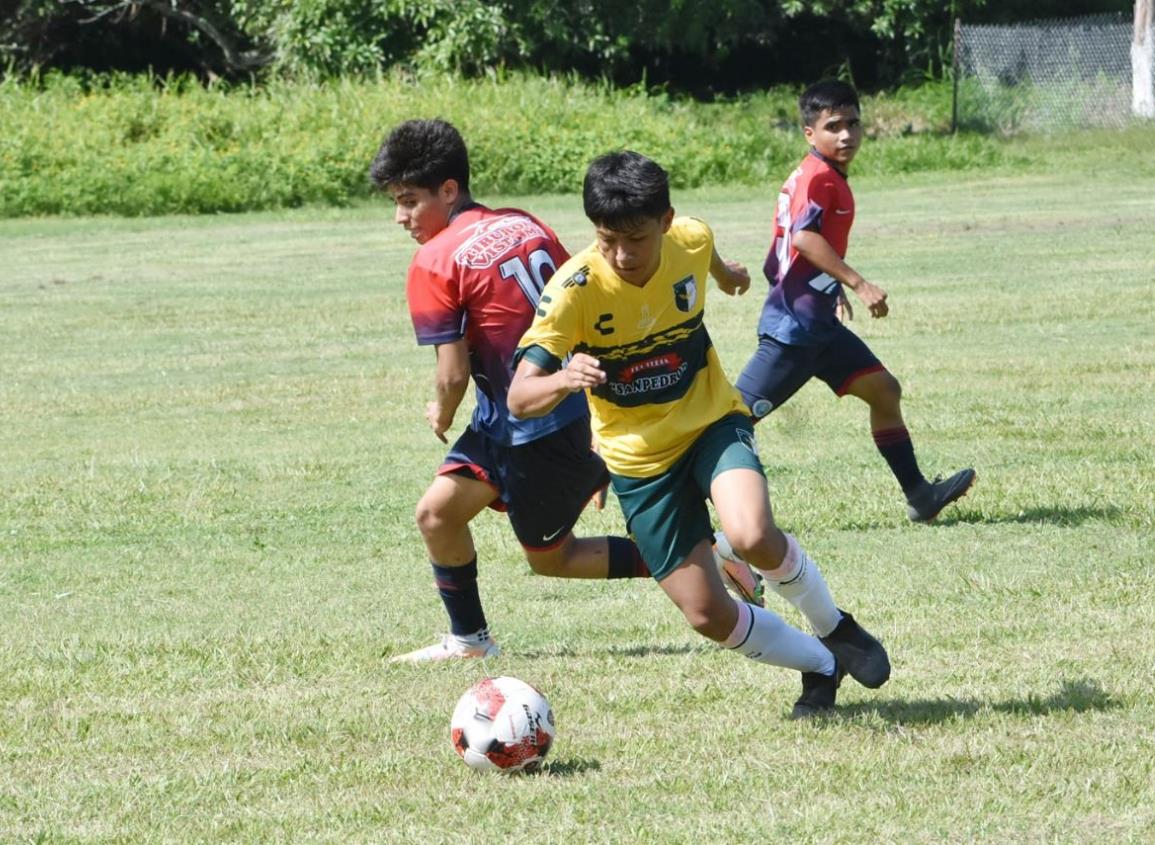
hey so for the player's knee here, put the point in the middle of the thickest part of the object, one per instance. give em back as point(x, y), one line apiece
point(430, 520)
point(894, 387)
point(548, 566)
point(553, 563)
point(888, 392)
point(759, 544)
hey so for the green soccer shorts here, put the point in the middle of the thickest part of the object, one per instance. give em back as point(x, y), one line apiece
point(666, 514)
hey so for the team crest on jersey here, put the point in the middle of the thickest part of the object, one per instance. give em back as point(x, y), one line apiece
point(686, 293)
point(578, 279)
point(489, 240)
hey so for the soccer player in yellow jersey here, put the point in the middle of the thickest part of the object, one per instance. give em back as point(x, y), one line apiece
point(672, 429)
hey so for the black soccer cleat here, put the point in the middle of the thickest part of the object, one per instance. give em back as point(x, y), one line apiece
point(930, 497)
point(818, 693)
point(859, 654)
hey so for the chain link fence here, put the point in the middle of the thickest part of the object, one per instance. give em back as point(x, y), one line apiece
point(1044, 75)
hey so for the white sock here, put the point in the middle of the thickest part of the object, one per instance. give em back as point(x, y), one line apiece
point(764, 636)
point(478, 637)
point(798, 581)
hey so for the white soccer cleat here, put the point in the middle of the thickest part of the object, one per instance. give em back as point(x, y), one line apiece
point(738, 576)
point(449, 648)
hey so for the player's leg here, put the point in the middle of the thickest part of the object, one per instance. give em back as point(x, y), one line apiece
point(741, 499)
point(549, 482)
point(668, 515)
point(597, 558)
point(850, 367)
point(774, 373)
point(757, 633)
point(460, 491)
point(443, 515)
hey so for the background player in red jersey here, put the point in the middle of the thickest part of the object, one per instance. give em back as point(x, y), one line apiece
point(473, 287)
point(800, 335)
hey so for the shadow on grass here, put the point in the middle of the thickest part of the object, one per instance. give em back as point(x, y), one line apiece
point(656, 649)
point(569, 768)
point(1066, 517)
point(1061, 516)
point(1072, 697)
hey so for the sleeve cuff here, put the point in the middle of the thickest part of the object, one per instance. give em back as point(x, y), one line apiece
point(539, 357)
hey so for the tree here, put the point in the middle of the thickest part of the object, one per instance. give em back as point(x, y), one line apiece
point(208, 36)
point(206, 18)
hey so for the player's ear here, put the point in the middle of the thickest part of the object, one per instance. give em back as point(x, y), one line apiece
point(808, 134)
point(449, 191)
point(667, 219)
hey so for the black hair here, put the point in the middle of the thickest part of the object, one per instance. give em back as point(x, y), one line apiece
point(423, 154)
point(827, 95)
point(624, 189)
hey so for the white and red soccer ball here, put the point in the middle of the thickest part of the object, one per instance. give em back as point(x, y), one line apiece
point(502, 724)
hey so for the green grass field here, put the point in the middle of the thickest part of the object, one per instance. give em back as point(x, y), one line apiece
point(212, 440)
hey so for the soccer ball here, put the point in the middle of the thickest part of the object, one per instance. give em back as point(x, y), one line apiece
point(502, 724)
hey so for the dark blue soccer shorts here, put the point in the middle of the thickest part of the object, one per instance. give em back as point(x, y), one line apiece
point(543, 486)
point(777, 371)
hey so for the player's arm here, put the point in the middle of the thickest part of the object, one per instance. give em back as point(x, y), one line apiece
point(538, 388)
point(818, 251)
point(732, 276)
point(449, 386)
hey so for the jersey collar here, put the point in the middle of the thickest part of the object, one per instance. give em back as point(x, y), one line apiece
point(828, 163)
point(469, 206)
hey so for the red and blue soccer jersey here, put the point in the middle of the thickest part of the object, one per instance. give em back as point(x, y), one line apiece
point(799, 310)
point(480, 279)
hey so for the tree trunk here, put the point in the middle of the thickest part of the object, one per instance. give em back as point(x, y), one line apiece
point(1142, 66)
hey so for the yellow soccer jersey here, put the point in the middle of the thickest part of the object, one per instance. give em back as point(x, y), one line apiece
point(664, 383)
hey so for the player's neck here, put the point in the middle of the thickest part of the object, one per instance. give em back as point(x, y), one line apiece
point(834, 165)
point(464, 203)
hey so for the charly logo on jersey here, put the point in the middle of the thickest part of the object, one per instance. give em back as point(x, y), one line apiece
point(490, 240)
point(686, 293)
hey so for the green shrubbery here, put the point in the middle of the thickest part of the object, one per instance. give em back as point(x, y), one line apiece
point(135, 146)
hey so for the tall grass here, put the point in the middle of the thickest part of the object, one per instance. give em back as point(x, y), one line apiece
point(139, 146)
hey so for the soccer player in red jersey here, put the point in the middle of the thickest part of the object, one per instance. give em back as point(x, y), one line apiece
point(800, 335)
point(473, 288)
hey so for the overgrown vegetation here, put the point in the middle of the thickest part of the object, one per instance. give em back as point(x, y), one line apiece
point(697, 46)
point(320, 39)
point(139, 146)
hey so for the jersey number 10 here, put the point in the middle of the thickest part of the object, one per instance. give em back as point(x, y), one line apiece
point(532, 278)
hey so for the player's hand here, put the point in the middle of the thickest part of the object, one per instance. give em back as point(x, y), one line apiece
point(582, 372)
point(843, 310)
point(873, 297)
point(434, 417)
point(736, 279)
